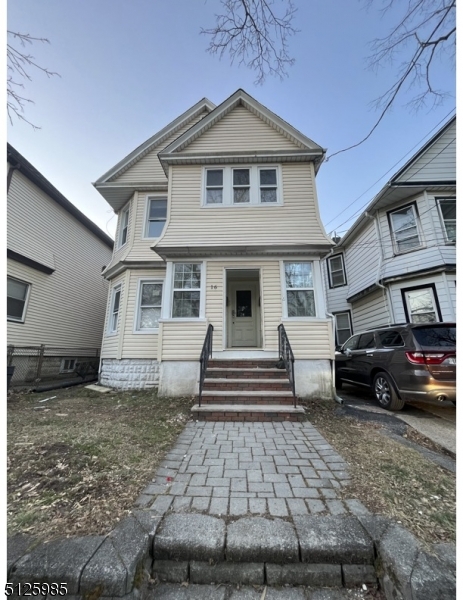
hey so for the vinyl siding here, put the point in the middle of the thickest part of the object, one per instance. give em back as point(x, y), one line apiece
point(362, 260)
point(296, 222)
point(140, 249)
point(148, 169)
point(110, 344)
point(438, 163)
point(182, 340)
point(335, 297)
point(66, 308)
point(119, 253)
point(371, 311)
point(138, 345)
point(311, 339)
point(240, 131)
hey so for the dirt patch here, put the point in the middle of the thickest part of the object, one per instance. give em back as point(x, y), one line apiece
point(388, 477)
point(77, 463)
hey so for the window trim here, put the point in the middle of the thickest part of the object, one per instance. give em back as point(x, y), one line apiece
point(116, 288)
point(343, 269)
point(137, 313)
point(124, 211)
point(212, 187)
point(170, 274)
point(431, 286)
point(146, 219)
point(315, 286)
point(254, 185)
point(438, 200)
point(26, 300)
point(349, 315)
point(71, 370)
point(395, 247)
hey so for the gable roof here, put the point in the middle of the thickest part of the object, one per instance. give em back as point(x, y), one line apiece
point(308, 148)
point(18, 161)
point(399, 188)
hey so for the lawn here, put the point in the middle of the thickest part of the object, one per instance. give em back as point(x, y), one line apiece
point(77, 462)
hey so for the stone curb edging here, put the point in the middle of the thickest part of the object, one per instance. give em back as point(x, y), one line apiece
point(310, 550)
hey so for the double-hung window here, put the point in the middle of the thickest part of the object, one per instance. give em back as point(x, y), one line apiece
point(241, 186)
point(149, 305)
point(186, 297)
point(448, 212)
point(268, 185)
point(336, 271)
point(300, 295)
point(124, 226)
point(420, 304)
point(238, 186)
point(214, 186)
point(114, 310)
point(16, 299)
point(404, 228)
point(343, 327)
point(156, 217)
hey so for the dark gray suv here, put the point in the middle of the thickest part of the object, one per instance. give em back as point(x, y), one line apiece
point(401, 362)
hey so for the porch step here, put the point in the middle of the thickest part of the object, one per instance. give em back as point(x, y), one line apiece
point(242, 363)
point(247, 397)
point(246, 373)
point(248, 412)
point(216, 383)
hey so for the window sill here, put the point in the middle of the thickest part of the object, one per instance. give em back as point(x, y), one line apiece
point(242, 205)
point(111, 334)
point(303, 319)
point(12, 320)
point(401, 253)
point(334, 287)
point(146, 332)
point(183, 320)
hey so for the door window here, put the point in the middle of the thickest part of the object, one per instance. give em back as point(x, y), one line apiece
point(243, 303)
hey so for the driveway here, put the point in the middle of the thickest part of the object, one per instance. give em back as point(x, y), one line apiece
point(436, 421)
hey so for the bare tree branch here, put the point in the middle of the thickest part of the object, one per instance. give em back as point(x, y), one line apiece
point(426, 31)
point(254, 35)
point(19, 65)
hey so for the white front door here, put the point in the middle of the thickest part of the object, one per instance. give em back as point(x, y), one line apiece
point(243, 314)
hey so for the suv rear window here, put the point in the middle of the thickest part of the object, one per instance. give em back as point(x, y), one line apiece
point(390, 339)
point(441, 337)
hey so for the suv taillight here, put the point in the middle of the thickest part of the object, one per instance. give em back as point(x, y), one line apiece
point(426, 358)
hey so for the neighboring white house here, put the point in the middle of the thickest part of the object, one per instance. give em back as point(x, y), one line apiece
point(218, 224)
point(56, 295)
point(397, 263)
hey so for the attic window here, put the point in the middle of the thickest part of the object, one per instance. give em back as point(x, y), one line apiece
point(242, 186)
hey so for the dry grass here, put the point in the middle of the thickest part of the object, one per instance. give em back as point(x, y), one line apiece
point(388, 477)
point(77, 463)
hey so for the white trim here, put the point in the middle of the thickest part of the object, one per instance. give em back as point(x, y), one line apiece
point(317, 289)
point(154, 330)
point(170, 271)
point(419, 232)
point(110, 332)
point(432, 291)
point(124, 211)
point(254, 185)
point(26, 300)
point(330, 270)
point(148, 198)
point(438, 200)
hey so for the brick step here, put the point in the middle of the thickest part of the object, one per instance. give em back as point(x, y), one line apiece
point(242, 363)
point(249, 412)
point(247, 384)
point(243, 373)
point(246, 396)
point(246, 400)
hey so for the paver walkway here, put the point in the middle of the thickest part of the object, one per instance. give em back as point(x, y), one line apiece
point(281, 469)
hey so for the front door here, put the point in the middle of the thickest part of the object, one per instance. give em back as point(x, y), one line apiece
point(243, 310)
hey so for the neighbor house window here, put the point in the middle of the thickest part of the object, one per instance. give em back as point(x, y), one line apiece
point(343, 327)
point(214, 186)
point(268, 185)
point(16, 299)
point(115, 308)
point(404, 227)
point(67, 365)
point(234, 186)
point(186, 290)
point(156, 217)
point(448, 212)
point(149, 305)
point(421, 305)
point(124, 226)
point(336, 271)
point(241, 186)
point(300, 294)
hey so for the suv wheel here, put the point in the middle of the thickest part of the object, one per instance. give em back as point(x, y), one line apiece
point(385, 392)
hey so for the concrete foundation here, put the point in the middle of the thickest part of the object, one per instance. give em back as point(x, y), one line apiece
point(313, 379)
point(178, 378)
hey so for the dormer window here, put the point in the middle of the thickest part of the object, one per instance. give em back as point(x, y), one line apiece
point(242, 186)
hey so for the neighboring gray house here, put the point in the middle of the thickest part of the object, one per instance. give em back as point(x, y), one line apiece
point(397, 263)
point(56, 295)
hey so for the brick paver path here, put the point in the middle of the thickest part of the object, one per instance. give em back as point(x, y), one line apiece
point(282, 469)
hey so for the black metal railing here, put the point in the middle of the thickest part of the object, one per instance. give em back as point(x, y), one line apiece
point(286, 355)
point(206, 354)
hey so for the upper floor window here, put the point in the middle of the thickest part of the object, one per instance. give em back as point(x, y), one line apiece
point(114, 311)
point(404, 228)
point(149, 305)
point(448, 213)
point(16, 299)
point(336, 271)
point(124, 226)
point(155, 217)
point(300, 294)
point(241, 185)
point(186, 296)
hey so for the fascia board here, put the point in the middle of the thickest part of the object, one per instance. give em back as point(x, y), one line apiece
point(155, 139)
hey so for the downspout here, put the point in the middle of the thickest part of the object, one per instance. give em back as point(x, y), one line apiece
point(380, 266)
point(333, 371)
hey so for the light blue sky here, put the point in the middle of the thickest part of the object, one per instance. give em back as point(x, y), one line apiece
point(129, 67)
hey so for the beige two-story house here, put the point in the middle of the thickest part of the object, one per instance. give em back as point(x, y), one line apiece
point(397, 263)
point(218, 224)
